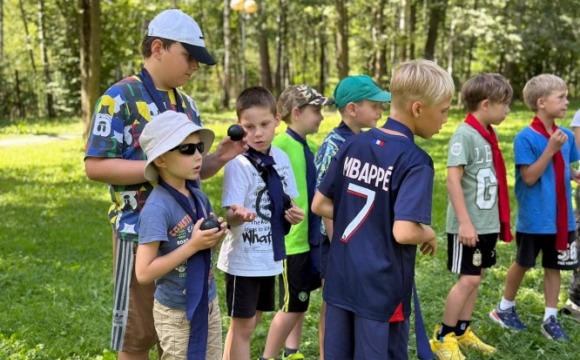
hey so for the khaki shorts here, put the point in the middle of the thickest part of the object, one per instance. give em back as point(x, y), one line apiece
point(173, 330)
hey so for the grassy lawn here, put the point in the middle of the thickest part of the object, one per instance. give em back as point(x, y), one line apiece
point(56, 258)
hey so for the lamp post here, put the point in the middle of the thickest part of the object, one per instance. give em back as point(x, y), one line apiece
point(246, 7)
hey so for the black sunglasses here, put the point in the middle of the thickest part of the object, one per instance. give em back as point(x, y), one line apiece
point(189, 149)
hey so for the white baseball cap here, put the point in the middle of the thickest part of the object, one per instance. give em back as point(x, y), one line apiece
point(164, 132)
point(174, 24)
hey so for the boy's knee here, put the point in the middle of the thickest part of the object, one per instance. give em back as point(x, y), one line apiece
point(469, 282)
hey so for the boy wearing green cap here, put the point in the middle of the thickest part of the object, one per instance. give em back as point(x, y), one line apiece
point(360, 103)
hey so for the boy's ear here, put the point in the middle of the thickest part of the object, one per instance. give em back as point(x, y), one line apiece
point(540, 103)
point(416, 108)
point(295, 112)
point(156, 47)
point(160, 161)
point(484, 104)
point(278, 118)
point(350, 109)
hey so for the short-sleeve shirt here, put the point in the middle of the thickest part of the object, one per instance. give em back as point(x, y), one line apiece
point(247, 250)
point(374, 180)
point(120, 115)
point(296, 240)
point(479, 182)
point(330, 146)
point(163, 219)
point(537, 208)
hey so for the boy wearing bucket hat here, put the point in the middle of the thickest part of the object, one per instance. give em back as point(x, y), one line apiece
point(300, 107)
point(360, 103)
point(172, 248)
point(172, 48)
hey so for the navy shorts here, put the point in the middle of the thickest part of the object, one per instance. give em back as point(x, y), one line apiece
point(245, 295)
point(530, 245)
point(467, 260)
point(349, 336)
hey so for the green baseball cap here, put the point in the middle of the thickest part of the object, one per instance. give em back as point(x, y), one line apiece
point(358, 88)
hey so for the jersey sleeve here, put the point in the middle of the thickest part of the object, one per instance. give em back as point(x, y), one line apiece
point(107, 126)
point(153, 224)
point(458, 153)
point(323, 159)
point(328, 181)
point(415, 196)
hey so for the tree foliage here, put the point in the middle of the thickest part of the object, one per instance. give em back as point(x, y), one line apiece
point(286, 42)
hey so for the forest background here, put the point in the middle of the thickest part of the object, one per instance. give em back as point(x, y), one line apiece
point(58, 56)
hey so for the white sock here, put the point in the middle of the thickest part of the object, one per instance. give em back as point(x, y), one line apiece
point(549, 312)
point(506, 304)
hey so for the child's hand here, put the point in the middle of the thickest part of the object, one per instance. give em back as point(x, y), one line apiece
point(294, 215)
point(242, 213)
point(205, 239)
point(556, 141)
point(429, 247)
point(467, 234)
point(228, 149)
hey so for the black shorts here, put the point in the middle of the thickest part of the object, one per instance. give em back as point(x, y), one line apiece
point(324, 250)
point(530, 245)
point(467, 260)
point(246, 295)
point(296, 283)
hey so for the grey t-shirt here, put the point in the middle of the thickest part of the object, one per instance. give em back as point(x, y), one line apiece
point(469, 149)
point(162, 219)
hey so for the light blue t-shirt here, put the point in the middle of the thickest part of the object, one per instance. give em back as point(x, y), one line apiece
point(537, 203)
point(162, 219)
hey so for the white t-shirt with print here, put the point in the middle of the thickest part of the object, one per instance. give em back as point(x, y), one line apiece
point(247, 250)
point(576, 120)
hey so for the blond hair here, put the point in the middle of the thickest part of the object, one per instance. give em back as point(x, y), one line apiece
point(492, 87)
point(541, 86)
point(420, 80)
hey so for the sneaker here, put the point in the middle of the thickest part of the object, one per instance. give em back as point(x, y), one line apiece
point(470, 341)
point(445, 348)
point(552, 330)
point(295, 356)
point(507, 318)
point(571, 309)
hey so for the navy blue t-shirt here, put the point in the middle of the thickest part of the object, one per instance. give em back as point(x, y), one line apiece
point(375, 179)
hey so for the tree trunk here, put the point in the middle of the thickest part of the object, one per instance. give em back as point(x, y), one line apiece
point(44, 60)
point(404, 11)
point(436, 16)
point(27, 33)
point(265, 71)
point(90, 49)
point(1, 30)
point(412, 27)
point(379, 40)
point(20, 105)
point(342, 39)
point(227, 56)
point(280, 46)
point(322, 62)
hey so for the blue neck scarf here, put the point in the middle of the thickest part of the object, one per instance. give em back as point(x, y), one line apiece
point(196, 288)
point(423, 348)
point(313, 219)
point(264, 163)
point(154, 93)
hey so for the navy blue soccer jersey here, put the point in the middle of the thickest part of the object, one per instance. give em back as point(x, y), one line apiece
point(375, 179)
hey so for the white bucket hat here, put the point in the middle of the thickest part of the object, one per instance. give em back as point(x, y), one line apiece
point(164, 132)
point(176, 25)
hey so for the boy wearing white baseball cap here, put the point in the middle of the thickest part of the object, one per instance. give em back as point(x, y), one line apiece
point(172, 50)
point(174, 243)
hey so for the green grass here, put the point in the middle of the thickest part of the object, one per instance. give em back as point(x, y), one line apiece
point(56, 258)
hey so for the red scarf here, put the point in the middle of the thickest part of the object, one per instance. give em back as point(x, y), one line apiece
point(561, 202)
point(505, 233)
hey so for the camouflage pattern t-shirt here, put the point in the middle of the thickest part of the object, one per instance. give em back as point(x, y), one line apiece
point(120, 115)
